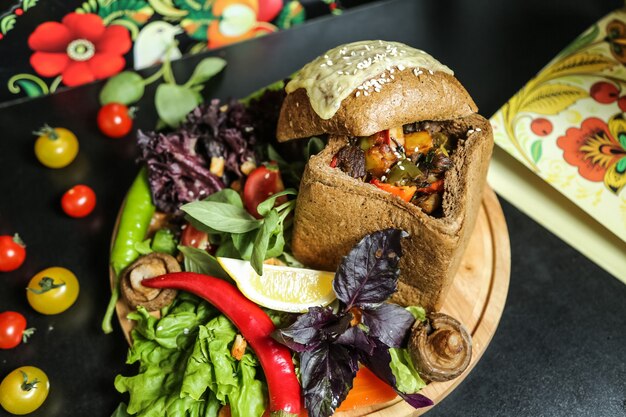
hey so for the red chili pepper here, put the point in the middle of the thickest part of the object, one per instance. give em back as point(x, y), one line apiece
point(255, 326)
point(333, 162)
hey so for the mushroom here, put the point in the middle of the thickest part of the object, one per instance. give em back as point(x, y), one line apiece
point(440, 347)
point(148, 266)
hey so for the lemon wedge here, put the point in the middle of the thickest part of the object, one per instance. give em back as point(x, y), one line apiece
point(281, 288)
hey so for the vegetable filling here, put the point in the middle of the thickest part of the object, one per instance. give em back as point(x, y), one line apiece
point(409, 161)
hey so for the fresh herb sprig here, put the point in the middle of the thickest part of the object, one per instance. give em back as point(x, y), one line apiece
point(223, 216)
point(363, 329)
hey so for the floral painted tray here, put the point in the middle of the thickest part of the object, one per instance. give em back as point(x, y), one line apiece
point(568, 126)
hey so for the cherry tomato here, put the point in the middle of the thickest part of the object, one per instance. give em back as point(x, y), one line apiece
point(12, 252)
point(55, 147)
point(78, 201)
point(194, 238)
point(23, 390)
point(115, 120)
point(13, 329)
point(263, 182)
point(53, 290)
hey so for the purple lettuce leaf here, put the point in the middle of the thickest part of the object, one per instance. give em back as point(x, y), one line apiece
point(389, 323)
point(227, 131)
point(310, 330)
point(368, 275)
point(327, 376)
point(378, 363)
point(176, 172)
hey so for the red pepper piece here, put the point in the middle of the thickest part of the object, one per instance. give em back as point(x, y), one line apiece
point(255, 326)
point(405, 192)
point(435, 187)
point(382, 137)
point(333, 162)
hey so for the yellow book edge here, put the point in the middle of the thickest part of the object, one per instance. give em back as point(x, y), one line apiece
point(555, 212)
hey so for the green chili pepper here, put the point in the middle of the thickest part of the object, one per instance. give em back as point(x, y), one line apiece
point(134, 223)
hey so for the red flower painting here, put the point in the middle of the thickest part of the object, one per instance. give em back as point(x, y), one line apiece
point(598, 150)
point(81, 49)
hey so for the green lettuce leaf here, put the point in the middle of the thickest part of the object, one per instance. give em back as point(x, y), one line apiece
point(185, 365)
point(408, 380)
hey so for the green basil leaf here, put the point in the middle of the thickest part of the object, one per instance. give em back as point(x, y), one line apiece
point(126, 87)
point(265, 207)
point(244, 243)
point(227, 249)
point(290, 260)
point(200, 261)
point(313, 147)
point(276, 244)
point(278, 85)
point(273, 155)
point(261, 243)
point(205, 70)
point(174, 102)
point(221, 216)
point(227, 195)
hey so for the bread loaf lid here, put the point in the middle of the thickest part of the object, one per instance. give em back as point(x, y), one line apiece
point(361, 88)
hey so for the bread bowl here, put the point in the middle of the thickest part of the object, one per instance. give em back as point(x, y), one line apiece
point(355, 91)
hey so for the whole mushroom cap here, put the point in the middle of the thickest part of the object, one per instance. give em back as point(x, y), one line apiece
point(440, 347)
point(148, 266)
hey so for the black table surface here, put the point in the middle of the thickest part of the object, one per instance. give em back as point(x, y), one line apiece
point(560, 348)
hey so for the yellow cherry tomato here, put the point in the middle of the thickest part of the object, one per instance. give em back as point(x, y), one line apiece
point(53, 290)
point(23, 390)
point(55, 147)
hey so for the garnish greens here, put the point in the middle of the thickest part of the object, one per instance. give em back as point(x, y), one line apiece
point(240, 235)
point(363, 329)
point(186, 367)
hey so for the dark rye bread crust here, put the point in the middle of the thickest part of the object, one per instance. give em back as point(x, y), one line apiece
point(334, 211)
point(406, 99)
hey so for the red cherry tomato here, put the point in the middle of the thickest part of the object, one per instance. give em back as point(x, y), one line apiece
point(13, 329)
point(195, 238)
point(78, 201)
point(263, 182)
point(12, 252)
point(115, 120)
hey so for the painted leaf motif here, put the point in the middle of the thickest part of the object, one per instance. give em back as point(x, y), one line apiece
point(136, 11)
point(551, 98)
point(292, 14)
point(536, 150)
point(581, 63)
point(615, 177)
point(28, 4)
point(584, 39)
point(90, 6)
point(7, 23)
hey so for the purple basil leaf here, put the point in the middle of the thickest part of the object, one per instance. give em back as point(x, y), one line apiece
point(368, 275)
point(356, 338)
point(327, 376)
point(311, 329)
point(416, 400)
point(389, 323)
point(378, 363)
point(176, 172)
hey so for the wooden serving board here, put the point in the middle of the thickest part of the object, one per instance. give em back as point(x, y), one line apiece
point(476, 298)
